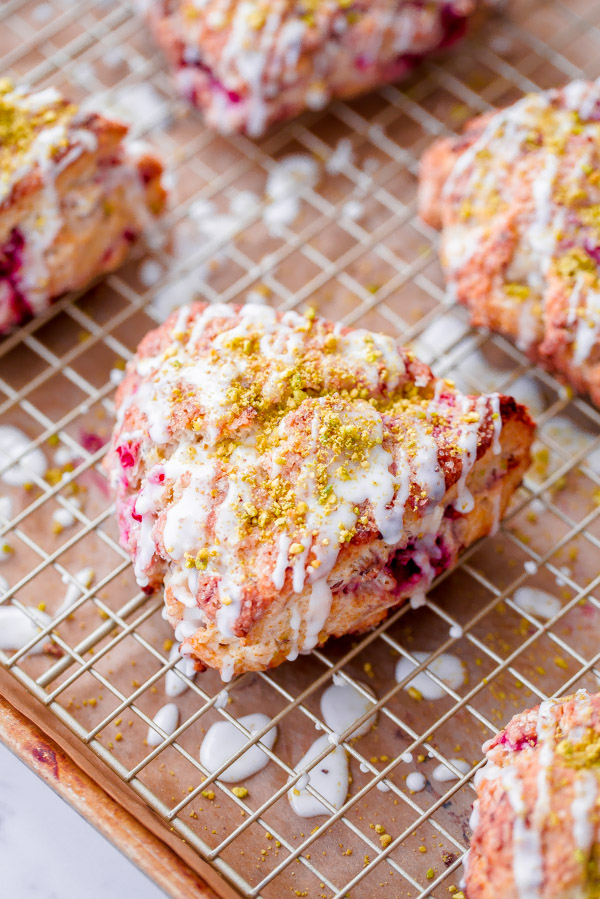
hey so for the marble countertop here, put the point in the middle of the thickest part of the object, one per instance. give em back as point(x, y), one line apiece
point(47, 851)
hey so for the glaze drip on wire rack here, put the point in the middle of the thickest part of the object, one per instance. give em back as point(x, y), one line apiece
point(319, 212)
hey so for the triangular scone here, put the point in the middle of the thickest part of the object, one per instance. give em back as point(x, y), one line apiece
point(74, 195)
point(248, 65)
point(289, 479)
point(536, 822)
point(518, 201)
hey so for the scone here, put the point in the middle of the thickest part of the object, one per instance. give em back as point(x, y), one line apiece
point(518, 201)
point(250, 64)
point(74, 195)
point(288, 479)
point(536, 822)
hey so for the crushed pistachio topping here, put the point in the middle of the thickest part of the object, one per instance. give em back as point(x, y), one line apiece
point(575, 262)
point(517, 291)
point(23, 117)
point(288, 437)
point(538, 158)
point(584, 753)
point(335, 399)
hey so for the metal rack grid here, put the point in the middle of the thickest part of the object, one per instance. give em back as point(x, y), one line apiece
point(378, 270)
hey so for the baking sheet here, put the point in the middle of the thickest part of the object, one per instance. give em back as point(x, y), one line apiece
point(58, 770)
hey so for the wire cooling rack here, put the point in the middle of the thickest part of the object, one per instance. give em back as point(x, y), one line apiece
point(356, 250)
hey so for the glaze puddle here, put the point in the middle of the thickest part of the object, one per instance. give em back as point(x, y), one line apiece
point(446, 667)
point(329, 778)
point(223, 739)
point(342, 704)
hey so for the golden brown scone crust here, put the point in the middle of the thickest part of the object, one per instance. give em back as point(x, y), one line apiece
point(288, 479)
point(249, 65)
point(74, 195)
point(517, 197)
point(536, 821)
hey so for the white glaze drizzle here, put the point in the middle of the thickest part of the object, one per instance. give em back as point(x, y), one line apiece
point(196, 521)
point(443, 774)
point(415, 781)
point(537, 602)
point(585, 790)
point(167, 719)
point(329, 778)
point(62, 518)
point(448, 668)
point(540, 236)
point(527, 859)
point(268, 52)
point(28, 463)
point(223, 739)
point(17, 628)
point(6, 508)
point(82, 581)
point(546, 727)
point(222, 699)
point(175, 685)
point(494, 399)
point(467, 444)
point(342, 704)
